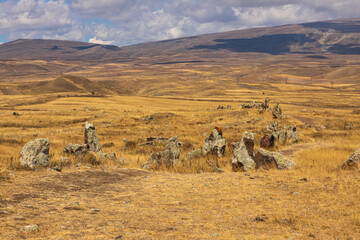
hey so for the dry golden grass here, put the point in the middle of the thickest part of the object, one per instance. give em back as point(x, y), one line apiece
point(182, 202)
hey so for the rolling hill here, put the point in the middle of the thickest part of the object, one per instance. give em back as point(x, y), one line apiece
point(205, 65)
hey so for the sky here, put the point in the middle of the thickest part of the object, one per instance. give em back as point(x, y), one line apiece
point(126, 22)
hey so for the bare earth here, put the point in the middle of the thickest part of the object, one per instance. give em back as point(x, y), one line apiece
point(98, 203)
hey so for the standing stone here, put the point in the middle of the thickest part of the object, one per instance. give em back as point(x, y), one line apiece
point(91, 141)
point(243, 158)
point(267, 160)
point(277, 111)
point(267, 141)
point(35, 153)
point(352, 162)
point(170, 156)
point(292, 134)
point(215, 143)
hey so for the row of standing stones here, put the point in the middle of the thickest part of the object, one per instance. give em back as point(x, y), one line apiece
point(36, 152)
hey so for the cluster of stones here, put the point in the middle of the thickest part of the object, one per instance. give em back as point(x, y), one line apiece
point(36, 152)
point(168, 157)
point(283, 136)
point(220, 107)
point(246, 159)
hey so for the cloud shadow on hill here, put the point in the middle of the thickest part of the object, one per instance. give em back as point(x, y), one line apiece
point(271, 44)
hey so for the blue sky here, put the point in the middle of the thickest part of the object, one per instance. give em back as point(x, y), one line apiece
point(125, 22)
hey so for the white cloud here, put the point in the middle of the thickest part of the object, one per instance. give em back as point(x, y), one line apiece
point(98, 41)
point(124, 22)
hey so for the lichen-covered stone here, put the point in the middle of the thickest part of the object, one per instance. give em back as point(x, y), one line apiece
point(35, 153)
point(352, 162)
point(74, 150)
point(91, 141)
point(215, 143)
point(267, 160)
point(169, 156)
point(277, 111)
point(243, 158)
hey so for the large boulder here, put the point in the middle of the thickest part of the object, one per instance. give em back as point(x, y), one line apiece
point(215, 143)
point(353, 161)
point(243, 158)
point(169, 156)
point(267, 159)
point(35, 153)
point(277, 111)
point(91, 141)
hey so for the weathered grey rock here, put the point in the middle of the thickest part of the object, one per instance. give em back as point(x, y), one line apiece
point(30, 228)
point(267, 160)
point(265, 106)
point(277, 111)
point(220, 107)
point(349, 125)
point(267, 141)
point(148, 118)
point(292, 134)
point(170, 156)
point(243, 158)
point(196, 153)
point(352, 162)
point(35, 153)
point(91, 141)
point(74, 150)
point(153, 162)
point(272, 126)
point(286, 135)
point(215, 144)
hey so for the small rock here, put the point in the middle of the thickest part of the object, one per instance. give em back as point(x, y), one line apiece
point(30, 228)
point(19, 217)
point(57, 168)
point(95, 210)
point(303, 179)
point(349, 125)
point(16, 114)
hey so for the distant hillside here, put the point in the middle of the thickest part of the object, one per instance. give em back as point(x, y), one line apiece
point(65, 83)
point(318, 38)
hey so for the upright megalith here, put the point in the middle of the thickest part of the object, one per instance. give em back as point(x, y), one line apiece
point(215, 143)
point(277, 111)
point(265, 106)
point(35, 153)
point(243, 158)
point(91, 141)
point(169, 156)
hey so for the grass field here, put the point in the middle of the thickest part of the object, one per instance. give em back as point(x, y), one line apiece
point(184, 202)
